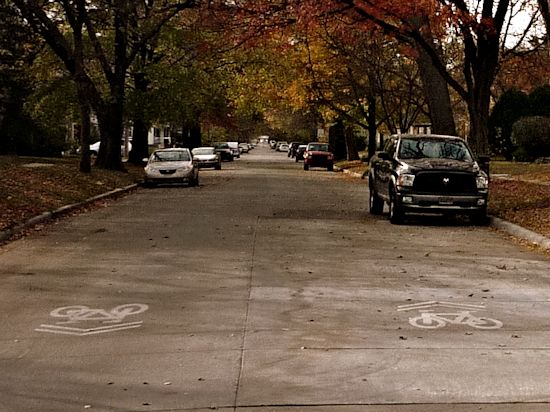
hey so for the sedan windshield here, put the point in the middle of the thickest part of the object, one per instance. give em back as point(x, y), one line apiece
point(170, 156)
point(434, 148)
point(203, 151)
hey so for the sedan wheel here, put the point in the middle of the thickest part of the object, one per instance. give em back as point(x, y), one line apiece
point(194, 181)
point(376, 205)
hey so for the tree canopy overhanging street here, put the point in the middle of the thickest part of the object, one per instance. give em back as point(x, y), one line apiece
point(274, 284)
point(218, 68)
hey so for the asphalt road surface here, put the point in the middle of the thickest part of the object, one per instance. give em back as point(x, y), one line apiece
point(269, 288)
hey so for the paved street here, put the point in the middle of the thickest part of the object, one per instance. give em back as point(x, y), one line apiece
point(269, 288)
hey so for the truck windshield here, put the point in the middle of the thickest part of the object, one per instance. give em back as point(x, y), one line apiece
point(318, 147)
point(435, 149)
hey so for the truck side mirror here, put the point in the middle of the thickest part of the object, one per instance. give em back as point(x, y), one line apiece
point(384, 155)
point(484, 163)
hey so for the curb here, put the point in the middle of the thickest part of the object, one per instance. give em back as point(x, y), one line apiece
point(521, 232)
point(347, 172)
point(8, 233)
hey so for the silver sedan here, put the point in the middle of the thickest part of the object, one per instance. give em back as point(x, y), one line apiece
point(171, 166)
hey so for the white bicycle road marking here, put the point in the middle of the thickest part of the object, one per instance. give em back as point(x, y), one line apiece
point(79, 313)
point(436, 303)
point(64, 330)
point(433, 320)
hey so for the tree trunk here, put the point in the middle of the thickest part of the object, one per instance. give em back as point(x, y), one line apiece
point(109, 156)
point(85, 160)
point(478, 110)
point(544, 6)
point(351, 146)
point(83, 97)
point(185, 139)
point(435, 86)
point(480, 70)
point(372, 127)
point(110, 128)
point(336, 140)
point(195, 136)
point(191, 134)
point(140, 144)
point(437, 95)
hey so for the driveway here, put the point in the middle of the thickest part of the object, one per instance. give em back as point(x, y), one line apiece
point(270, 288)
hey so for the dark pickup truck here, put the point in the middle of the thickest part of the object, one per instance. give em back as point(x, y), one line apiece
point(427, 174)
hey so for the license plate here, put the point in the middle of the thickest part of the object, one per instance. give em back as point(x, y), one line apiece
point(445, 201)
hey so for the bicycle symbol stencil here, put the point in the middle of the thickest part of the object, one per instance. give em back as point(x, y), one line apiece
point(430, 319)
point(75, 314)
point(79, 314)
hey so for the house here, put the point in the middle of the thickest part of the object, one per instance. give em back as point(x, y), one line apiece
point(160, 136)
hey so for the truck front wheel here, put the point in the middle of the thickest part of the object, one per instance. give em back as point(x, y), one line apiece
point(396, 211)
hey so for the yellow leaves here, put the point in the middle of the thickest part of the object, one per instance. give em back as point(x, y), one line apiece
point(296, 94)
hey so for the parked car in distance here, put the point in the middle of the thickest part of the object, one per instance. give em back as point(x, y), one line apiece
point(427, 174)
point(94, 148)
point(283, 147)
point(174, 165)
point(300, 152)
point(318, 155)
point(292, 148)
point(207, 157)
point(243, 147)
point(224, 150)
point(234, 146)
point(279, 144)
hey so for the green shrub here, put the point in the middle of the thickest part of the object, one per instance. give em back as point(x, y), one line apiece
point(539, 101)
point(512, 105)
point(531, 136)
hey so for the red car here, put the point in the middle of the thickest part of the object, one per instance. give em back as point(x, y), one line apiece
point(318, 155)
